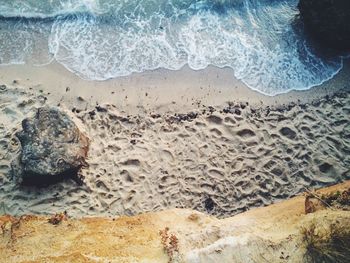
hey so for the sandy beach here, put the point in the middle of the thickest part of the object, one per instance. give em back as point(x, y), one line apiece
point(177, 139)
point(175, 131)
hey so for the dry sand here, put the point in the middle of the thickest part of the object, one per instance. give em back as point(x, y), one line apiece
point(269, 234)
point(185, 139)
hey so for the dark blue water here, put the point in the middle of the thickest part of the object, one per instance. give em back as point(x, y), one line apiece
point(105, 39)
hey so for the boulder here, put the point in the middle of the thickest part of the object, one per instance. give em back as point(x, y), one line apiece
point(52, 147)
point(328, 22)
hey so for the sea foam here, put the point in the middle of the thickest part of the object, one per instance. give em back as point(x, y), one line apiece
point(98, 40)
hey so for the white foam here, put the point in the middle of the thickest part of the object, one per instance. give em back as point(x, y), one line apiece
point(51, 9)
point(256, 39)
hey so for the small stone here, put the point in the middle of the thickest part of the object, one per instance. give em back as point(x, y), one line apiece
point(209, 204)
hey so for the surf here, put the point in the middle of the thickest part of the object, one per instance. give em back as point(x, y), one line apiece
point(100, 40)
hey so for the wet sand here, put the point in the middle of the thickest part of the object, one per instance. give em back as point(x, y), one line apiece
point(159, 90)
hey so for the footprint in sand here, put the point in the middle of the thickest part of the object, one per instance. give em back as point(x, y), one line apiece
point(214, 119)
point(288, 132)
point(246, 133)
point(325, 167)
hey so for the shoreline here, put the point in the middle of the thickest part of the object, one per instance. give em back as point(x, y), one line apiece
point(160, 90)
point(120, 141)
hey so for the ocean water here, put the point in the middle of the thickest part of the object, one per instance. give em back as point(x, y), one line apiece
point(261, 40)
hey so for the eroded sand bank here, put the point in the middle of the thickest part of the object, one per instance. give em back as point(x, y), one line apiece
point(269, 234)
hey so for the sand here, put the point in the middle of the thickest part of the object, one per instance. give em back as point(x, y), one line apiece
point(186, 139)
point(268, 234)
point(160, 90)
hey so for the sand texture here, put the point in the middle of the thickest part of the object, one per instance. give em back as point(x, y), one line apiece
point(220, 160)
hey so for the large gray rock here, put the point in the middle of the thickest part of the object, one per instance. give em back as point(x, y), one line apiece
point(52, 147)
point(327, 21)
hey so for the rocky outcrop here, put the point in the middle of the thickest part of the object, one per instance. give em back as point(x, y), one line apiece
point(52, 147)
point(327, 21)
